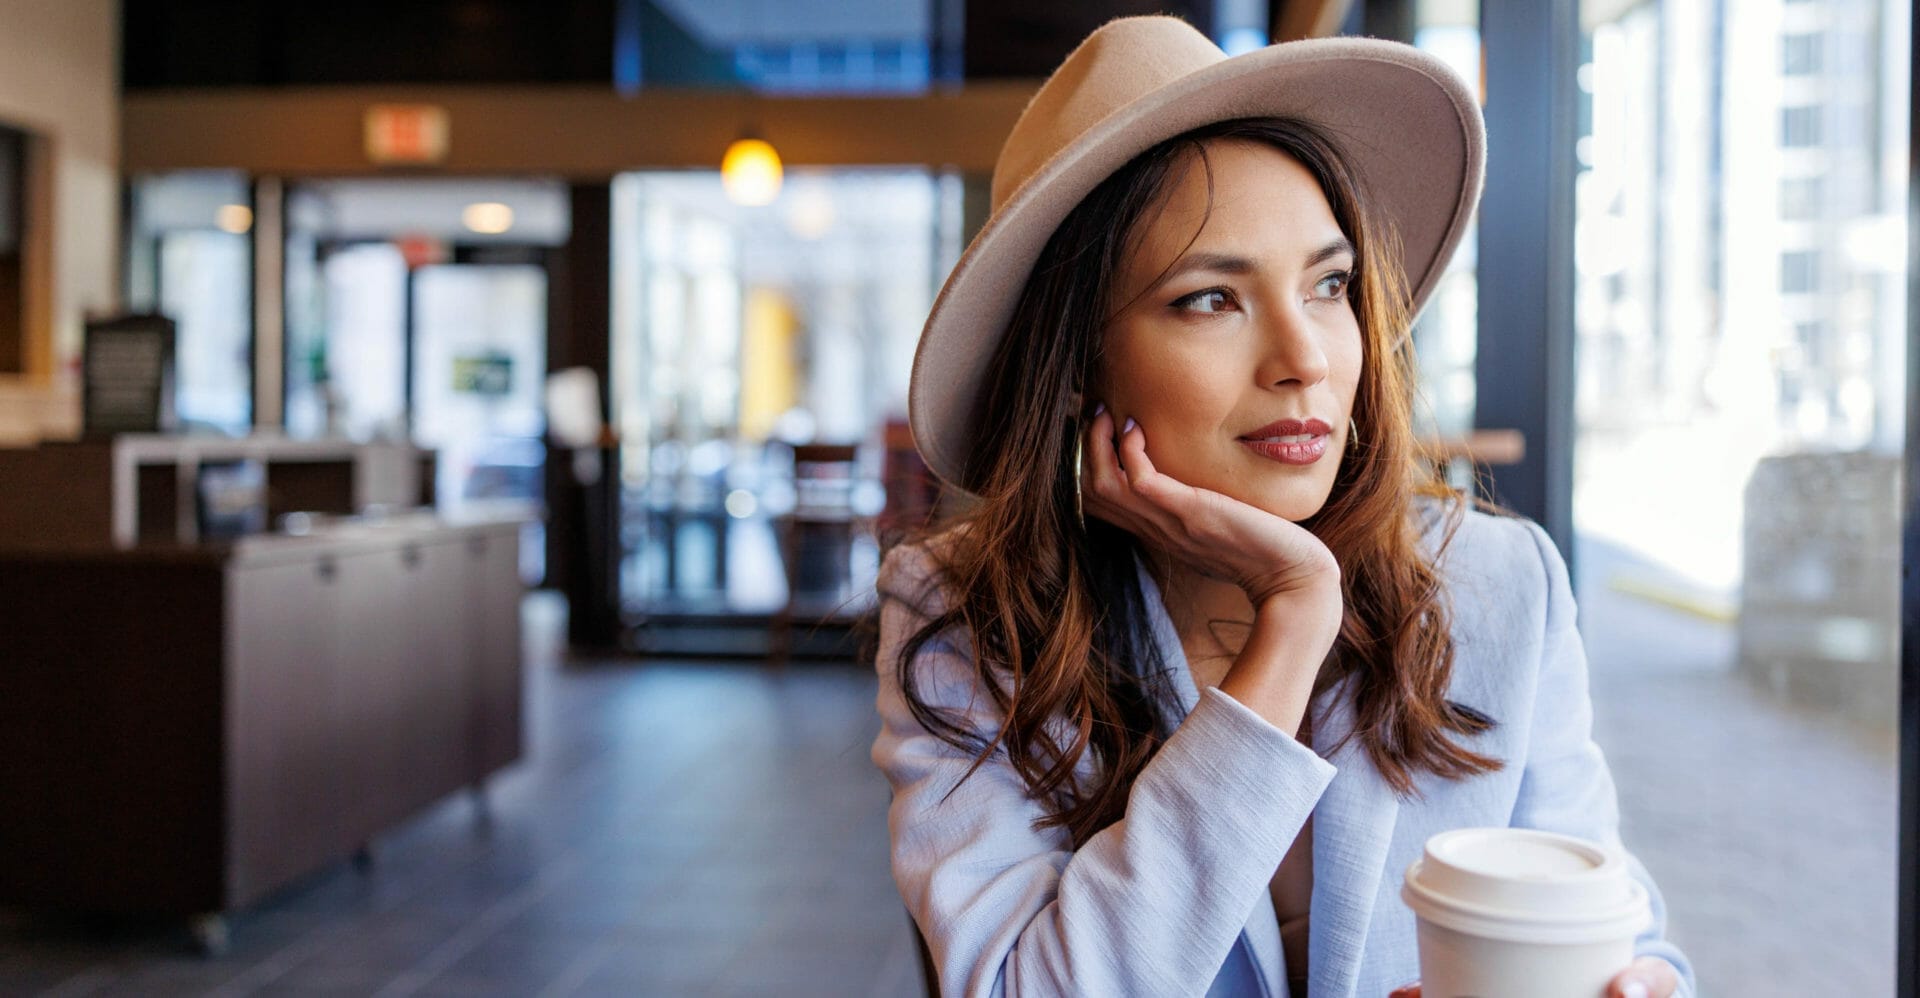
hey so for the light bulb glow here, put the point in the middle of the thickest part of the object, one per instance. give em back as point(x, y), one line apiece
point(750, 172)
point(234, 218)
point(489, 218)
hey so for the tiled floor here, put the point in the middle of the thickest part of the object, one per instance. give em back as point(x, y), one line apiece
point(719, 830)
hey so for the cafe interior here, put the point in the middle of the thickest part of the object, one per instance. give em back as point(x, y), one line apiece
point(447, 448)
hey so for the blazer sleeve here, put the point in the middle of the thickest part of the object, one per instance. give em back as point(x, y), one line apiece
point(1150, 905)
point(1566, 786)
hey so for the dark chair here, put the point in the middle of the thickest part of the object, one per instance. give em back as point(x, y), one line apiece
point(824, 476)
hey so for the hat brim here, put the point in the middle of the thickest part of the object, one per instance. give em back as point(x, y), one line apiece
point(1403, 120)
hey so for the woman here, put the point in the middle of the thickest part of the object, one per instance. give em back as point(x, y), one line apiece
point(1171, 707)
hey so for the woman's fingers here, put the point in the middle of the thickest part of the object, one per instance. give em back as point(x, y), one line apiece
point(1133, 454)
point(1104, 463)
point(1647, 977)
point(1163, 494)
point(1140, 497)
point(1103, 486)
point(1112, 488)
point(1102, 473)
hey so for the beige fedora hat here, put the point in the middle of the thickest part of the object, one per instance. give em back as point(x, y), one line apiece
point(1405, 122)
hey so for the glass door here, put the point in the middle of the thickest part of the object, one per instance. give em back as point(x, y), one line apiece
point(479, 374)
point(749, 346)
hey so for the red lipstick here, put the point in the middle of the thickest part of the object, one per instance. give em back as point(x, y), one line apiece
point(1289, 441)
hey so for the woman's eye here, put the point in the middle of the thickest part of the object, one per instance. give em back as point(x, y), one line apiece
point(1341, 282)
point(1208, 301)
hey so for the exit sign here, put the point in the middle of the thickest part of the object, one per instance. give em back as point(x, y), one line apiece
point(406, 133)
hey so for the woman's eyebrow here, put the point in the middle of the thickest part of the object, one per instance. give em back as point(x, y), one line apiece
point(1227, 263)
point(1331, 250)
point(1218, 263)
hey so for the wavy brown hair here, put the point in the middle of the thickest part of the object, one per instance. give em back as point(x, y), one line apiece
point(1056, 615)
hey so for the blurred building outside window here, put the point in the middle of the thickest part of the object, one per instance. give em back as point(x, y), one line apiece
point(1740, 315)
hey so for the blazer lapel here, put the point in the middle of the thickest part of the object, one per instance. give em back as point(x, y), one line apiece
point(1262, 931)
point(1352, 829)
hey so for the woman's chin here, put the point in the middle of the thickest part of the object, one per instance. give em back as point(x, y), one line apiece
point(1291, 493)
point(1295, 504)
point(1297, 514)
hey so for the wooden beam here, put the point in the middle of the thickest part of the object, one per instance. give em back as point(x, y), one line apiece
point(576, 132)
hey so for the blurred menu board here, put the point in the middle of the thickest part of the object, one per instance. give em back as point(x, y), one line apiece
point(129, 375)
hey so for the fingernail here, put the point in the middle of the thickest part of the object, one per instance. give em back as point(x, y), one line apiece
point(1124, 430)
point(1099, 407)
point(1634, 989)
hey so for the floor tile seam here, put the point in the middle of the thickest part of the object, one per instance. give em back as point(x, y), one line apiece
point(581, 969)
point(462, 942)
point(278, 963)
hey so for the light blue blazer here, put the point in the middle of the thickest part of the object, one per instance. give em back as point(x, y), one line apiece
point(1173, 899)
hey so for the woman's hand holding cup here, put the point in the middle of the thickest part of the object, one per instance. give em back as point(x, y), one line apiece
point(1648, 977)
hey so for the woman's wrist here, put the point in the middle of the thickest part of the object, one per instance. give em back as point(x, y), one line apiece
point(1302, 585)
point(1276, 668)
point(1304, 608)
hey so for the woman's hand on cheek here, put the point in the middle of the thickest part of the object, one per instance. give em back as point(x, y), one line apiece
point(1266, 555)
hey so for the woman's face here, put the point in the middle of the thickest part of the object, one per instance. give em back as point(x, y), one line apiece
point(1217, 343)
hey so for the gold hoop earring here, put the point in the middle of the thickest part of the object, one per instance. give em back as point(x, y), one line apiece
point(1079, 454)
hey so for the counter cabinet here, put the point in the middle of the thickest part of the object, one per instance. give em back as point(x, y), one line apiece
point(187, 730)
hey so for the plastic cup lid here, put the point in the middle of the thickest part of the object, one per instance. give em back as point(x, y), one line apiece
point(1525, 884)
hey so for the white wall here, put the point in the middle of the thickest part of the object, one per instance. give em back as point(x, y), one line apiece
point(60, 79)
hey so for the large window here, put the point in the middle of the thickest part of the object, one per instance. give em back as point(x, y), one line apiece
point(1741, 323)
point(190, 257)
point(742, 334)
point(1799, 127)
point(1447, 335)
point(1800, 54)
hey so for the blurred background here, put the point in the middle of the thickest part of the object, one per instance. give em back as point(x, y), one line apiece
point(446, 448)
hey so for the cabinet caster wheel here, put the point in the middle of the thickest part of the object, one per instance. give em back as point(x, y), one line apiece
point(209, 934)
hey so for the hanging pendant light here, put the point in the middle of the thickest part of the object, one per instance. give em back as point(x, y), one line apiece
point(750, 171)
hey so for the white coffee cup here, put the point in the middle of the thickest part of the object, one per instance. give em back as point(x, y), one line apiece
point(1522, 913)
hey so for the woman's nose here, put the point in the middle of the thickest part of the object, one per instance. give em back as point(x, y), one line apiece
point(1290, 348)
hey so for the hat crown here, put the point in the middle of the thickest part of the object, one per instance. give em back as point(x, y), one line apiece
point(1122, 61)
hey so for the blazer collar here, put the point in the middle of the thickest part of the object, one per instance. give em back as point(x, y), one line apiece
point(1352, 830)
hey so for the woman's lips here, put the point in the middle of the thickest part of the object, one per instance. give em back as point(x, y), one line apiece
point(1289, 441)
